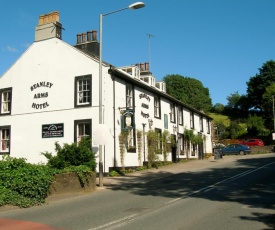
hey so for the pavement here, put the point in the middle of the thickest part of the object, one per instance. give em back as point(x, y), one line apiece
point(163, 171)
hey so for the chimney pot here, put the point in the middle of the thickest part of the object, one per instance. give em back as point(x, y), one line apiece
point(78, 38)
point(89, 35)
point(94, 35)
point(84, 39)
point(147, 66)
point(142, 66)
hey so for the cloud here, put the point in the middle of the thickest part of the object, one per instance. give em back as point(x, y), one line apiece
point(11, 49)
point(26, 45)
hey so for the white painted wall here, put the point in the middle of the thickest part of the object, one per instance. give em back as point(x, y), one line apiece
point(57, 64)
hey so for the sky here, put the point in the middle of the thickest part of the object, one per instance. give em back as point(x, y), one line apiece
point(221, 43)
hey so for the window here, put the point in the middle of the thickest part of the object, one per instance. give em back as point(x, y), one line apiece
point(207, 126)
point(5, 139)
point(181, 144)
point(156, 107)
point(5, 101)
point(172, 112)
point(82, 129)
point(129, 96)
point(180, 112)
point(191, 120)
point(201, 124)
point(131, 142)
point(83, 90)
point(158, 141)
point(194, 150)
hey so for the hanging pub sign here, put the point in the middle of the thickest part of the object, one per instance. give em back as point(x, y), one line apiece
point(127, 119)
point(53, 130)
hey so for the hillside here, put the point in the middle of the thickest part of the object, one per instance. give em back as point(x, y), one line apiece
point(218, 118)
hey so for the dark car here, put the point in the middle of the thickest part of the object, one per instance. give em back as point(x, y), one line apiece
point(236, 149)
point(253, 142)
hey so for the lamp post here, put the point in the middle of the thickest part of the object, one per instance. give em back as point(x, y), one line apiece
point(133, 6)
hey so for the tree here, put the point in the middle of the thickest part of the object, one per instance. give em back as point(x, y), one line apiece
point(237, 105)
point(267, 105)
point(218, 108)
point(189, 91)
point(234, 130)
point(257, 85)
point(255, 126)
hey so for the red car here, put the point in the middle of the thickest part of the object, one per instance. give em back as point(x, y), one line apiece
point(253, 142)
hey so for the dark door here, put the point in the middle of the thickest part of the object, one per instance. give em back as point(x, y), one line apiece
point(174, 149)
point(200, 151)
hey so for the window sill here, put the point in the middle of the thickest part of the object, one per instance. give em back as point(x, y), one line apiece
point(131, 150)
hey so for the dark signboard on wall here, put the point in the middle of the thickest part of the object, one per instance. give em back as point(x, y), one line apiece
point(53, 130)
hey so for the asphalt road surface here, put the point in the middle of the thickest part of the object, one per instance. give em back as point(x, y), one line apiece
point(236, 192)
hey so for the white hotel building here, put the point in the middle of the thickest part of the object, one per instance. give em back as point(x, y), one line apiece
point(51, 93)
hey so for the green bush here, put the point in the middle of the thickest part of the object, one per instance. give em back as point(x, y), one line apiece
point(83, 172)
point(113, 173)
point(23, 184)
point(74, 154)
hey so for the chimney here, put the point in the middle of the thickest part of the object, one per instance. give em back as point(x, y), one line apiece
point(79, 38)
point(146, 66)
point(141, 67)
point(89, 36)
point(94, 32)
point(48, 27)
point(87, 42)
point(84, 37)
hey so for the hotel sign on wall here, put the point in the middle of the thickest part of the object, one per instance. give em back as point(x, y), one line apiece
point(53, 130)
point(37, 104)
point(144, 105)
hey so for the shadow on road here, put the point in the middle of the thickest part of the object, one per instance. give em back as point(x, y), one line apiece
point(176, 185)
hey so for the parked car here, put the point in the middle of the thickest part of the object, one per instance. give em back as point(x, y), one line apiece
point(253, 142)
point(236, 149)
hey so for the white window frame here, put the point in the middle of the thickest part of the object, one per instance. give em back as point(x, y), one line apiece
point(172, 113)
point(201, 123)
point(191, 120)
point(131, 138)
point(156, 107)
point(83, 90)
point(6, 98)
point(181, 144)
point(180, 112)
point(129, 96)
point(5, 139)
point(159, 137)
point(82, 129)
point(207, 126)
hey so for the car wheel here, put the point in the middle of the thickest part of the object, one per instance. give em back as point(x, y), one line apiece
point(241, 152)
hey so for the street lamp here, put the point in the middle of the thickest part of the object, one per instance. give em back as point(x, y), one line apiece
point(133, 6)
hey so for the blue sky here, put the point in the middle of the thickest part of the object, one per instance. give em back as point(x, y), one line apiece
point(222, 43)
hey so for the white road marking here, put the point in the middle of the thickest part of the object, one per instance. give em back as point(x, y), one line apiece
point(125, 220)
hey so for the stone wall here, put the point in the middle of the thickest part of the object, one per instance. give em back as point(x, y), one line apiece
point(261, 149)
point(66, 183)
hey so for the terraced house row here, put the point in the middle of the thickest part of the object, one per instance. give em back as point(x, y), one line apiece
point(51, 93)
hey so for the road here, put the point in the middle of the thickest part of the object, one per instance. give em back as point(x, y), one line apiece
point(236, 192)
